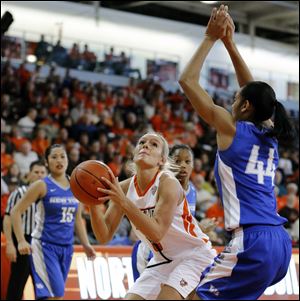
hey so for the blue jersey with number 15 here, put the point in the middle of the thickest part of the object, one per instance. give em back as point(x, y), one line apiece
point(55, 214)
point(245, 178)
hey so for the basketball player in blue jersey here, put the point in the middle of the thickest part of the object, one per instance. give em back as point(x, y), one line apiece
point(52, 241)
point(183, 156)
point(259, 252)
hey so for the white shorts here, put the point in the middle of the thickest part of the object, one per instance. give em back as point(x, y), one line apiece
point(182, 274)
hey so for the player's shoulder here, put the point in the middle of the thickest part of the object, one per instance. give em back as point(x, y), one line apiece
point(39, 184)
point(168, 180)
point(167, 176)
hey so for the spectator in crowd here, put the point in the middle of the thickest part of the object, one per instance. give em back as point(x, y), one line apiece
point(121, 64)
point(204, 199)
point(10, 47)
point(84, 145)
point(27, 123)
point(292, 193)
point(62, 138)
point(74, 58)
point(59, 54)
point(42, 50)
point(40, 141)
point(89, 59)
point(74, 159)
point(109, 59)
point(116, 163)
point(6, 159)
point(198, 168)
point(14, 172)
point(16, 137)
point(291, 210)
point(25, 157)
point(95, 151)
point(219, 236)
point(210, 184)
point(279, 181)
point(285, 164)
point(295, 233)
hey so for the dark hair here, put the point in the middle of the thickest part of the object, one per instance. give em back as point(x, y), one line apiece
point(180, 146)
point(50, 148)
point(38, 163)
point(263, 98)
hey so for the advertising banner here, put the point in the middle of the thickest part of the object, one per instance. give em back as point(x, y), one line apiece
point(109, 276)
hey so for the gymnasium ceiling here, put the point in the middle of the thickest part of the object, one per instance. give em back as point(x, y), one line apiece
point(274, 20)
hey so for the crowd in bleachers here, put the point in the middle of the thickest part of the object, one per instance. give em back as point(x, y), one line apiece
point(74, 58)
point(97, 121)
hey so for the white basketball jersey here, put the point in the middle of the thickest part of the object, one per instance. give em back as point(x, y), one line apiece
point(184, 233)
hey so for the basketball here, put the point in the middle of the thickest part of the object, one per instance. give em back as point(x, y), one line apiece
point(86, 178)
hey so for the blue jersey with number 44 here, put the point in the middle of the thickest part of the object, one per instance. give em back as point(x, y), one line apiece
point(245, 177)
point(55, 214)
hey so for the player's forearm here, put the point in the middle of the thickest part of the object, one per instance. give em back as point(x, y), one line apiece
point(16, 222)
point(99, 226)
point(7, 229)
point(192, 71)
point(243, 73)
point(147, 225)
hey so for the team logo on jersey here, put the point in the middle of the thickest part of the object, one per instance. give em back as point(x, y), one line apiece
point(214, 290)
point(149, 211)
point(183, 282)
point(39, 285)
point(153, 189)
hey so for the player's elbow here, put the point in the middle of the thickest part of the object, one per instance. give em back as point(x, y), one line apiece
point(156, 238)
point(186, 81)
point(102, 238)
point(157, 235)
point(101, 235)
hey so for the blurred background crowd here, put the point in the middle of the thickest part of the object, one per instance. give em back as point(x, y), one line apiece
point(103, 122)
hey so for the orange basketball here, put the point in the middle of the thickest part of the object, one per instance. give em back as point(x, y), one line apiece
point(86, 178)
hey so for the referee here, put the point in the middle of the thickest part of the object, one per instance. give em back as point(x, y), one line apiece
point(20, 265)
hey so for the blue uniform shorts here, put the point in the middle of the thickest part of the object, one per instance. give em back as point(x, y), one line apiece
point(140, 257)
point(50, 266)
point(255, 258)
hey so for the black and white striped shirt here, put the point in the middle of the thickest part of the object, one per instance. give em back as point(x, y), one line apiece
point(28, 216)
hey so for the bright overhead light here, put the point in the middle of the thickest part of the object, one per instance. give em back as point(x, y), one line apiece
point(31, 58)
point(209, 2)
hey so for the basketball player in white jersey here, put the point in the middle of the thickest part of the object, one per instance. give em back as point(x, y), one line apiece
point(155, 203)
